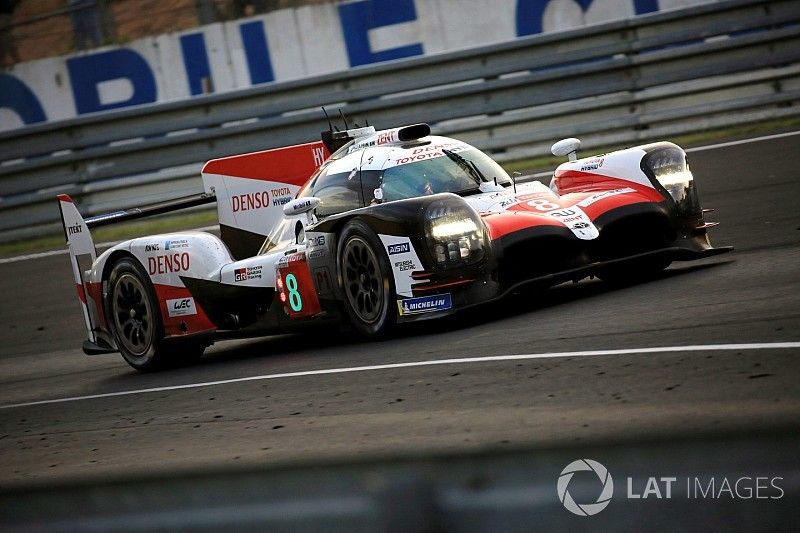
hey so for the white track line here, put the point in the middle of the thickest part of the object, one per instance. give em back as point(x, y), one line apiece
point(433, 362)
point(742, 141)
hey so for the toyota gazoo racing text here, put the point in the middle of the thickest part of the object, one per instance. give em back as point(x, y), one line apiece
point(376, 228)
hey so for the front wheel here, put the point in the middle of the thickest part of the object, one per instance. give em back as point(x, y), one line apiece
point(366, 280)
point(135, 320)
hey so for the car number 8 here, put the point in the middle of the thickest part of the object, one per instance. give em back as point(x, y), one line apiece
point(295, 301)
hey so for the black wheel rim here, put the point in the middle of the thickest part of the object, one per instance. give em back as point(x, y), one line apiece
point(132, 314)
point(363, 280)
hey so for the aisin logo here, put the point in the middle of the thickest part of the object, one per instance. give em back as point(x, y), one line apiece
point(585, 509)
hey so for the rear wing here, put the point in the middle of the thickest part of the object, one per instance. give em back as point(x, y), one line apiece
point(83, 253)
point(251, 190)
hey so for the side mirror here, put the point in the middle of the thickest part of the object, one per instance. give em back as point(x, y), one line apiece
point(568, 147)
point(299, 206)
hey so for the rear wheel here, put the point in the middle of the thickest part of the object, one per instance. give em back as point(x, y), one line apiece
point(366, 280)
point(136, 324)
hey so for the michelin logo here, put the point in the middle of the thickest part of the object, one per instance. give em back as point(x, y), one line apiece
point(401, 248)
point(424, 304)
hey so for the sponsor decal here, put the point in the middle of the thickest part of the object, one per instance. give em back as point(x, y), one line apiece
point(151, 247)
point(592, 164)
point(402, 266)
point(509, 202)
point(319, 155)
point(577, 221)
point(281, 196)
point(179, 243)
point(72, 230)
point(294, 257)
point(323, 280)
point(319, 240)
point(247, 273)
point(401, 248)
point(316, 254)
point(425, 304)
point(181, 307)
point(250, 201)
point(386, 137)
point(594, 198)
point(296, 208)
point(166, 264)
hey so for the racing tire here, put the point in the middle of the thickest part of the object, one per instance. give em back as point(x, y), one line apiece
point(366, 280)
point(637, 272)
point(134, 317)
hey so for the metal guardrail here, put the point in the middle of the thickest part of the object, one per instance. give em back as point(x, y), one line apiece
point(656, 75)
point(496, 490)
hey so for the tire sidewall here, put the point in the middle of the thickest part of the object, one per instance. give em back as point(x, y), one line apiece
point(388, 318)
point(151, 359)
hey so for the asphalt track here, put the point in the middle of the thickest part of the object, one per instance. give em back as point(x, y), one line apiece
point(751, 296)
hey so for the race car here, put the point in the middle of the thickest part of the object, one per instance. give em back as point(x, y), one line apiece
point(374, 229)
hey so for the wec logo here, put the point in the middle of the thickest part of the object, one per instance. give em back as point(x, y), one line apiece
point(585, 509)
point(181, 304)
point(181, 307)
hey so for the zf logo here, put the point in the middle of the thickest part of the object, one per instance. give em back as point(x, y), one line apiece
point(399, 248)
point(71, 230)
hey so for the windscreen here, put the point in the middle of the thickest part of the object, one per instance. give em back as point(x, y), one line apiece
point(456, 171)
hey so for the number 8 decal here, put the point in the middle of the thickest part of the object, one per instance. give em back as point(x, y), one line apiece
point(295, 301)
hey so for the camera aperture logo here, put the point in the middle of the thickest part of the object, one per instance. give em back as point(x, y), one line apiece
point(585, 509)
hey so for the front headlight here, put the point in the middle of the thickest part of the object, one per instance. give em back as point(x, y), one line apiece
point(454, 233)
point(669, 167)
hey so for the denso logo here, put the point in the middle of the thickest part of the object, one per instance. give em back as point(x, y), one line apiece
point(250, 201)
point(399, 248)
point(165, 264)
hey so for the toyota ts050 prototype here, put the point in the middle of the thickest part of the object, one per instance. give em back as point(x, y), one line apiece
point(376, 228)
